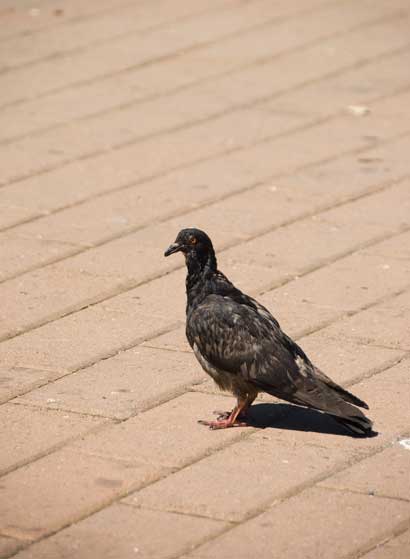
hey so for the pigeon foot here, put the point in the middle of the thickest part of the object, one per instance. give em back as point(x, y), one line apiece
point(222, 423)
point(232, 418)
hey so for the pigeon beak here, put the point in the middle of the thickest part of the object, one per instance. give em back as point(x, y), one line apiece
point(175, 247)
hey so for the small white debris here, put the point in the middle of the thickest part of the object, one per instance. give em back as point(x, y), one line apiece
point(385, 267)
point(51, 400)
point(136, 550)
point(405, 443)
point(358, 110)
point(273, 188)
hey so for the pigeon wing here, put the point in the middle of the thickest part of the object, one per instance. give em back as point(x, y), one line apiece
point(242, 338)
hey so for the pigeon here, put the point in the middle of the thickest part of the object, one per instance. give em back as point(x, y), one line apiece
point(241, 346)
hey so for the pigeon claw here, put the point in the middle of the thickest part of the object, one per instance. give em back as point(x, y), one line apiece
point(222, 424)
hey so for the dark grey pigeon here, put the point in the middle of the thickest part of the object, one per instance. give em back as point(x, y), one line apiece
point(242, 347)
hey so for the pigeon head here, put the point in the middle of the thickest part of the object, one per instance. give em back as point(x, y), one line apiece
point(196, 246)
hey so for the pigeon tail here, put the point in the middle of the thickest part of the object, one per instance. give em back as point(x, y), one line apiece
point(341, 409)
point(345, 394)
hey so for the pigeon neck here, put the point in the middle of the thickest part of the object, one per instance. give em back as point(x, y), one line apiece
point(200, 269)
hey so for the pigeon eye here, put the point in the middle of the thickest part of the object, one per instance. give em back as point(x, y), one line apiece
point(193, 241)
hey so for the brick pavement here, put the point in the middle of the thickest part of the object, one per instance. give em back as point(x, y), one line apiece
point(125, 121)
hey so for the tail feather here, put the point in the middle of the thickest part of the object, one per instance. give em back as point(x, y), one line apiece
point(345, 394)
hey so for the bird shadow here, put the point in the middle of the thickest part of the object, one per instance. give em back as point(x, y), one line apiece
point(295, 418)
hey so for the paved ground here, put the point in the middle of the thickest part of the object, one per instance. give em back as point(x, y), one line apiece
point(283, 129)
